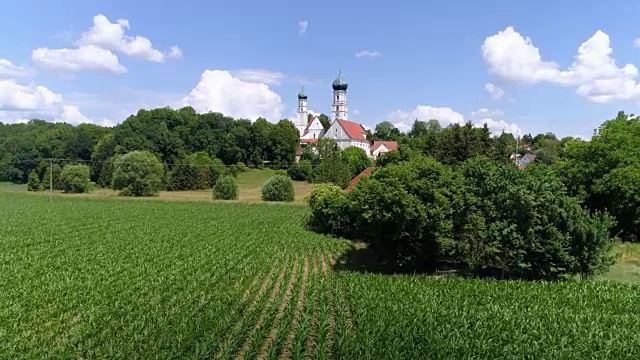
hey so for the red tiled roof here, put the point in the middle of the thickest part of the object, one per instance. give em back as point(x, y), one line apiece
point(391, 145)
point(531, 156)
point(356, 180)
point(308, 140)
point(354, 130)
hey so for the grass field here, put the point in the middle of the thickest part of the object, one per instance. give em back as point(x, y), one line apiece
point(249, 185)
point(98, 278)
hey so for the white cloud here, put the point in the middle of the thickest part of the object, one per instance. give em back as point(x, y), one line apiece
point(404, 120)
point(71, 114)
point(594, 73)
point(219, 91)
point(96, 46)
point(259, 76)
point(356, 112)
point(83, 58)
point(10, 71)
point(368, 53)
point(494, 121)
point(32, 97)
point(111, 36)
point(495, 91)
point(302, 27)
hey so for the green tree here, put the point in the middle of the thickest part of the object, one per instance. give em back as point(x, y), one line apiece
point(76, 178)
point(326, 147)
point(324, 120)
point(333, 169)
point(300, 171)
point(138, 173)
point(33, 184)
point(356, 158)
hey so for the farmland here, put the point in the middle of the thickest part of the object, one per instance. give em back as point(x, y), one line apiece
point(108, 278)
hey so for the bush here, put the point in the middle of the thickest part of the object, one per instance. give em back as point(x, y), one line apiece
point(280, 172)
point(356, 158)
point(237, 168)
point(278, 188)
point(330, 210)
point(56, 169)
point(300, 171)
point(196, 172)
point(33, 184)
point(138, 173)
point(225, 188)
point(332, 170)
point(76, 179)
point(484, 218)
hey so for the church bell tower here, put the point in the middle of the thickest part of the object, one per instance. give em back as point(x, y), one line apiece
point(339, 106)
point(303, 113)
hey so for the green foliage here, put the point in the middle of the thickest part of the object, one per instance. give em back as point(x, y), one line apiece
point(333, 169)
point(486, 218)
point(76, 179)
point(330, 210)
point(56, 170)
point(195, 172)
point(33, 184)
point(281, 172)
point(225, 188)
point(237, 168)
point(138, 173)
point(356, 158)
point(300, 171)
point(278, 188)
point(326, 147)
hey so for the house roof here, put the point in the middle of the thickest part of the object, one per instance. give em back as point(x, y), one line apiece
point(356, 180)
point(308, 140)
point(309, 123)
point(391, 145)
point(530, 156)
point(354, 130)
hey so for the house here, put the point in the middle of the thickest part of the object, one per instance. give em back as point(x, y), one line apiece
point(348, 133)
point(382, 147)
point(526, 159)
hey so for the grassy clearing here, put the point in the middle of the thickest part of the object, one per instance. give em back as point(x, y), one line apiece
point(249, 184)
point(98, 278)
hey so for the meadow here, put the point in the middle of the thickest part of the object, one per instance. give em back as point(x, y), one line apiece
point(85, 277)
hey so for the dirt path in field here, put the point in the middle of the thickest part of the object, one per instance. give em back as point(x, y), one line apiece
point(265, 310)
point(268, 280)
point(297, 312)
point(273, 332)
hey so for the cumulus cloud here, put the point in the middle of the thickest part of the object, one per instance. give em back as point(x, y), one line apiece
point(32, 97)
point(494, 91)
point(495, 122)
point(95, 49)
point(356, 112)
point(593, 73)
point(219, 91)
point(445, 115)
point(259, 76)
point(71, 114)
point(302, 27)
point(8, 70)
point(368, 53)
point(83, 58)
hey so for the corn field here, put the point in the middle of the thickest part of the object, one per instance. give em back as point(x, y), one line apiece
point(129, 279)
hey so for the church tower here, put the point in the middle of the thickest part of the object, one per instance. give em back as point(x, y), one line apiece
point(339, 106)
point(303, 113)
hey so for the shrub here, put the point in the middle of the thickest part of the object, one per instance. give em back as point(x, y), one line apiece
point(56, 169)
point(300, 171)
point(225, 188)
point(138, 173)
point(356, 158)
point(330, 212)
point(33, 184)
point(76, 179)
point(485, 217)
point(196, 172)
point(332, 170)
point(278, 188)
point(280, 172)
point(237, 168)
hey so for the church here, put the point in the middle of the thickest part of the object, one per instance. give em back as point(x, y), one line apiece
point(346, 133)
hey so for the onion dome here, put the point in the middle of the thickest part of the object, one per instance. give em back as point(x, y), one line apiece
point(302, 95)
point(339, 83)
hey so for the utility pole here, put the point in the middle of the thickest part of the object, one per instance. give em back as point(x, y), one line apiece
point(51, 180)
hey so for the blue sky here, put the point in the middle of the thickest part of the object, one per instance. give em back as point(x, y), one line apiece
point(247, 58)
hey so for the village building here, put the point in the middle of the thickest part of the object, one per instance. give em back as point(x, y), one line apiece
point(382, 147)
point(346, 133)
